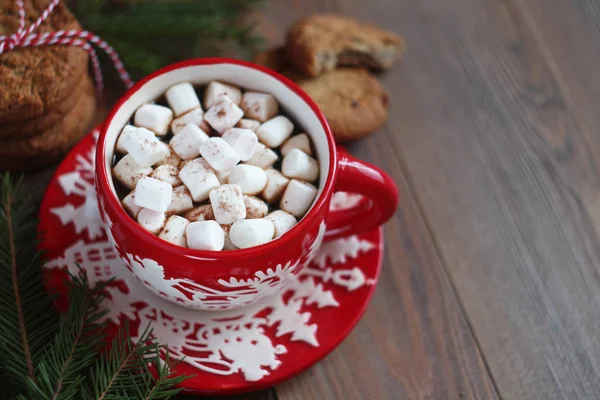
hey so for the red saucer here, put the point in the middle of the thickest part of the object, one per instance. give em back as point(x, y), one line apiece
point(228, 351)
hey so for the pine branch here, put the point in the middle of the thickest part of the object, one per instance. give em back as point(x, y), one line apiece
point(62, 371)
point(150, 34)
point(12, 248)
point(163, 385)
point(27, 320)
point(63, 359)
point(119, 372)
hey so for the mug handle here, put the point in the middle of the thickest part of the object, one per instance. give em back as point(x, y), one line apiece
point(379, 203)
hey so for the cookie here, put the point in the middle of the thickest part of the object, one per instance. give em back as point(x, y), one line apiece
point(34, 80)
point(321, 43)
point(33, 127)
point(51, 145)
point(352, 100)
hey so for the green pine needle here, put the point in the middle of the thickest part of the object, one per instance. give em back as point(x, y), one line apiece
point(149, 34)
point(27, 321)
point(46, 357)
point(117, 374)
point(75, 347)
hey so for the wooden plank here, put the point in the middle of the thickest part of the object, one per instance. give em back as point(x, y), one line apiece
point(413, 342)
point(501, 164)
point(568, 34)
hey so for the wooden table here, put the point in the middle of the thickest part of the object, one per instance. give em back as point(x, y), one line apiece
point(491, 282)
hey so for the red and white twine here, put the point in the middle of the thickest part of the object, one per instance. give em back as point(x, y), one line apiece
point(25, 37)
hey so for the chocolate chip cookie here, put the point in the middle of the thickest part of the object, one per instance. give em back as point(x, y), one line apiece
point(323, 42)
point(352, 100)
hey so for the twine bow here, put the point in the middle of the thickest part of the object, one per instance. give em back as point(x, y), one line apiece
point(25, 37)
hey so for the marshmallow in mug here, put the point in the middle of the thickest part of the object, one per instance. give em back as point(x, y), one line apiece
point(174, 230)
point(182, 98)
point(186, 144)
point(196, 117)
point(215, 91)
point(249, 124)
point(154, 117)
point(223, 115)
point(181, 201)
point(191, 190)
point(151, 221)
point(167, 173)
point(205, 235)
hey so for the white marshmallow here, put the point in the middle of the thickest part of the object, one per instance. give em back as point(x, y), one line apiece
point(219, 154)
point(154, 117)
point(299, 165)
point(251, 179)
point(228, 245)
point(222, 176)
point(119, 147)
point(255, 207)
point(243, 141)
point(276, 184)
point(228, 204)
point(173, 159)
point(301, 142)
point(282, 221)
point(151, 221)
point(181, 201)
point(166, 151)
point(205, 235)
point(298, 197)
point(199, 178)
point(196, 117)
point(144, 147)
point(275, 131)
point(259, 106)
point(223, 115)
point(129, 172)
point(182, 98)
point(263, 157)
point(201, 213)
point(249, 124)
point(186, 144)
point(167, 173)
point(130, 206)
point(216, 90)
point(153, 194)
point(174, 230)
point(251, 232)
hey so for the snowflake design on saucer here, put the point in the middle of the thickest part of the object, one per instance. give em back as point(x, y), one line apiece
point(226, 343)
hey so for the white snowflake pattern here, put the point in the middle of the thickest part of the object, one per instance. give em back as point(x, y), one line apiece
point(225, 342)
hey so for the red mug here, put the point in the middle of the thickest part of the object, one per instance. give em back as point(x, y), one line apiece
point(229, 279)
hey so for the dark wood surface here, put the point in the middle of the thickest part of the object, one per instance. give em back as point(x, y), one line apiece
point(491, 283)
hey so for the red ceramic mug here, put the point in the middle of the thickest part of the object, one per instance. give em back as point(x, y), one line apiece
point(229, 279)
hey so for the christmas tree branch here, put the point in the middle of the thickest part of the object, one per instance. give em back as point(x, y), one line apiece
point(45, 357)
point(27, 321)
point(149, 34)
point(119, 372)
point(7, 206)
point(75, 347)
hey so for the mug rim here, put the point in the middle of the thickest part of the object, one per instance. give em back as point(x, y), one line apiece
point(103, 175)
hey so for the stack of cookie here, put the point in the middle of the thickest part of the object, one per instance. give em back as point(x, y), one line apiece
point(47, 100)
point(331, 57)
